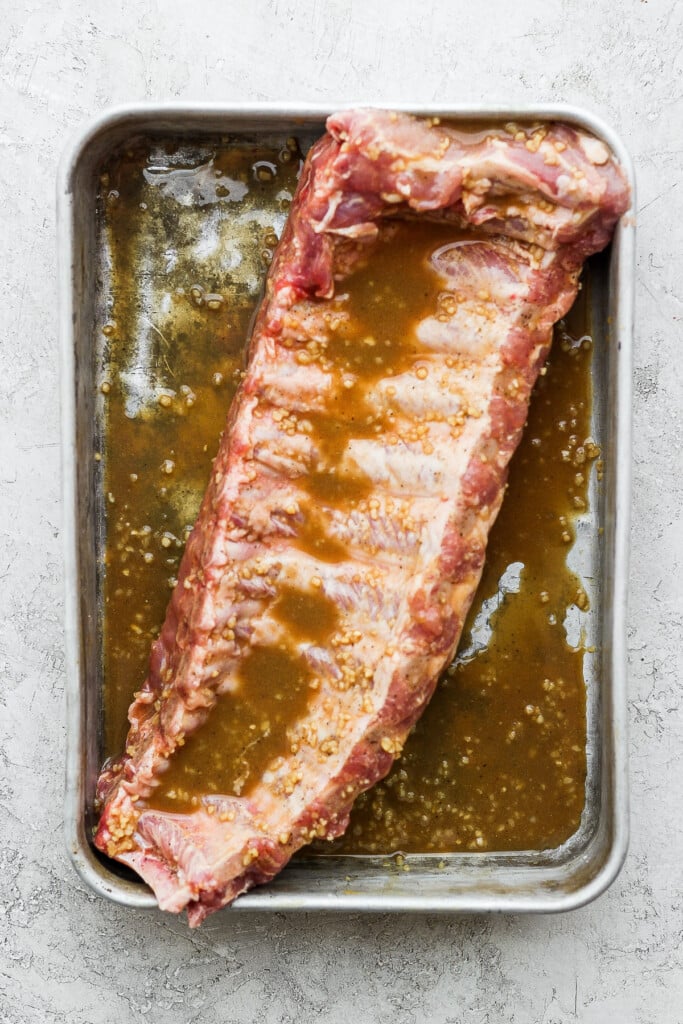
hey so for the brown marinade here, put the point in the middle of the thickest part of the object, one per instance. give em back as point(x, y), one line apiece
point(498, 760)
point(274, 689)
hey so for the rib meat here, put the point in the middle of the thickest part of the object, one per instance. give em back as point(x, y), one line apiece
point(527, 205)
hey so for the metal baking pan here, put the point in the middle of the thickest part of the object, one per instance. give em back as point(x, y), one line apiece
point(531, 881)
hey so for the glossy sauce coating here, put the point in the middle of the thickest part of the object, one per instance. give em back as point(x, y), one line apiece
point(248, 728)
point(465, 782)
point(188, 230)
point(498, 760)
point(243, 733)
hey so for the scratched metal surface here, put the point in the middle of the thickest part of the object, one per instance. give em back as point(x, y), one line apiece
point(67, 955)
point(532, 881)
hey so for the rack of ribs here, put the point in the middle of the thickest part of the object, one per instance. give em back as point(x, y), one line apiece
point(407, 312)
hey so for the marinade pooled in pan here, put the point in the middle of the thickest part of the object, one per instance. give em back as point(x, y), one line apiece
point(497, 761)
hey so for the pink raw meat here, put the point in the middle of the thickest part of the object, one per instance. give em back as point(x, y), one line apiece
point(527, 205)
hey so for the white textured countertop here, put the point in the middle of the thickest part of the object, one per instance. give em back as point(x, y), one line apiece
point(66, 955)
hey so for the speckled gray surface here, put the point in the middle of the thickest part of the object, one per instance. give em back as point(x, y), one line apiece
point(68, 956)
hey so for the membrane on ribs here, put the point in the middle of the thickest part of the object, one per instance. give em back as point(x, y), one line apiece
point(407, 313)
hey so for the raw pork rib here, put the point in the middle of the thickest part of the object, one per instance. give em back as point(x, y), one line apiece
point(526, 206)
